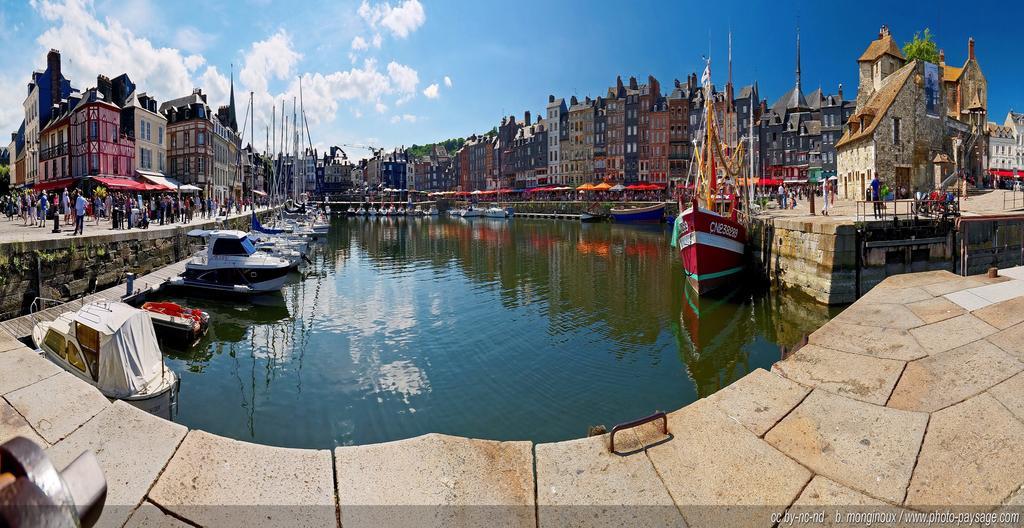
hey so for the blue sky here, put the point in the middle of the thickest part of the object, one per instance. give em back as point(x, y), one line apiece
point(411, 71)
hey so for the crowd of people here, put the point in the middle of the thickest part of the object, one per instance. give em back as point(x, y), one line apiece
point(124, 210)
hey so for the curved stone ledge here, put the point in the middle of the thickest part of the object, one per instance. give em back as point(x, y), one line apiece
point(804, 435)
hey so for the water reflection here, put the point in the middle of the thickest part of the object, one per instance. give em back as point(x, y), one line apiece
point(486, 328)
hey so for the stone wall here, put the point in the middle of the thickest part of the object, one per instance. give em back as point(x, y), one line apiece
point(836, 262)
point(69, 268)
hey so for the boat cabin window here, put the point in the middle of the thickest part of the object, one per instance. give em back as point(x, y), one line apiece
point(229, 246)
point(75, 357)
point(56, 343)
point(89, 338)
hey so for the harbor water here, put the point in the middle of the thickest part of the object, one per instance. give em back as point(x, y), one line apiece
point(500, 329)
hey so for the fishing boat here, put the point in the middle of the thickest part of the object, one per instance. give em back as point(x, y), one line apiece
point(113, 347)
point(651, 213)
point(708, 233)
point(177, 324)
point(231, 263)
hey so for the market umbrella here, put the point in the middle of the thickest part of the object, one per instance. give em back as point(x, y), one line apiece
point(585, 187)
point(618, 188)
point(603, 186)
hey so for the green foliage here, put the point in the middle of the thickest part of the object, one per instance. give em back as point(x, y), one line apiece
point(922, 48)
point(492, 132)
point(5, 179)
point(451, 145)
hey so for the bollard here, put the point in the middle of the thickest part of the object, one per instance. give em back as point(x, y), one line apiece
point(993, 272)
point(130, 282)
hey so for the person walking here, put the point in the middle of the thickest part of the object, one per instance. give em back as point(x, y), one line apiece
point(876, 190)
point(80, 203)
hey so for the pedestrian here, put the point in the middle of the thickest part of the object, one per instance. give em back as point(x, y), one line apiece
point(80, 203)
point(43, 206)
point(876, 194)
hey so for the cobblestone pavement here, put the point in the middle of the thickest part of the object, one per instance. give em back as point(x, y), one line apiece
point(906, 403)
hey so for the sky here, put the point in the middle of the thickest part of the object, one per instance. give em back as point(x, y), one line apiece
point(398, 72)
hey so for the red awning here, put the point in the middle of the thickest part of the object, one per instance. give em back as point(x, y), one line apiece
point(53, 184)
point(122, 184)
point(1002, 173)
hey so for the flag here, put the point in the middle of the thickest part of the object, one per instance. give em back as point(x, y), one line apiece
point(705, 78)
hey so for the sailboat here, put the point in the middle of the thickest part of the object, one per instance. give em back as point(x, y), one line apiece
point(709, 234)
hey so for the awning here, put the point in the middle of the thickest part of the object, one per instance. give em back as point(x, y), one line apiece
point(53, 184)
point(603, 186)
point(586, 187)
point(121, 184)
point(156, 178)
point(1002, 173)
point(189, 188)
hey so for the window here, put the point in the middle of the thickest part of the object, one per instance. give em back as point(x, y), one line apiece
point(89, 338)
point(896, 130)
point(94, 130)
point(160, 135)
point(200, 138)
point(55, 342)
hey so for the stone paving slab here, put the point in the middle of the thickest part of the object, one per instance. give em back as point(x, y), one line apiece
point(951, 333)
point(1011, 394)
point(868, 340)
point(935, 309)
point(23, 367)
point(436, 480)
point(1004, 291)
point(971, 456)
point(149, 516)
point(880, 315)
point(917, 280)
point(968, 300)
point(759, 400)
point(952, 285)
point(721, 474)
point(1010, 340)
point(1016, 272)
point(13, 424)
point(950, 377)
point(581, 483)
point(132, 446)
point(829, 497)
point(8, 342)
point(217, 481)
point(57, 405)
point(1003, 315)
point(856, 376)
point(894, 296)
point(869, 448)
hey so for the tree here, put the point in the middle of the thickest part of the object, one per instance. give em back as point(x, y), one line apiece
point(5, 179)
point(922, 48)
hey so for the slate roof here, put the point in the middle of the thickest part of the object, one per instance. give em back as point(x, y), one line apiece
point(793, 100)
point(885, 45)
point(878, 104)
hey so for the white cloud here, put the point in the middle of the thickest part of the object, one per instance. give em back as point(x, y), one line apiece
point(377, 40)
point(395, 119)
point(404, 78)
point(447, 81)
point(216, 86)
point(400, 20)
point(432, 91)
point(408, 118)
point(192, 40)
point(380, 107)
point(359, 43)
point(273, 58)
point(193, 62)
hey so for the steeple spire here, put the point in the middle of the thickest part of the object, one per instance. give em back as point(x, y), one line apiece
point(798, 89)
point(233, 122)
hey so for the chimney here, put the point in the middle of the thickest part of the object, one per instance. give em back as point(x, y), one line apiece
point(586, 100)
point(53, 64)
point(970, 48)
point(840, 91)
point(526, 118)
point(104, 87)
point(883, 31)
point(551, 98)
point(573, 101)
point(618, 85)
point(942, 57)
point(676, 83)
point(632, 83)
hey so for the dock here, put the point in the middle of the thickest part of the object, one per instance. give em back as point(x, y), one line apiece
point(909, 402)
point(555, 216)
point(21, 327)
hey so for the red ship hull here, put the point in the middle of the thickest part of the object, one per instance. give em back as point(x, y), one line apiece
point(712, 248)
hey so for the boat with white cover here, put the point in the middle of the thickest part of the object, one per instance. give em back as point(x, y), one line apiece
point(231, 263)
point(113, 347)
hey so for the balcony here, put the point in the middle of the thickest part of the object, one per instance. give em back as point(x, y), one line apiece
point(53, 152)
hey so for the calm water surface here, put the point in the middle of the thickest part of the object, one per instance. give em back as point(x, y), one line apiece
point(508, 330)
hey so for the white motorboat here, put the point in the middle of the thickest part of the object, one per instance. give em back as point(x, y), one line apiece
point(351, 211)
point(113, 347)
point(362, 212)
point(472, 212)
point(432, 211)
point(282, 250)
point(495, 212)
point(371, 212)
point(231, 263)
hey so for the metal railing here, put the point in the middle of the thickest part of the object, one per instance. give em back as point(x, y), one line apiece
point(1013, 199)
point(637, 423)
point(907, 209)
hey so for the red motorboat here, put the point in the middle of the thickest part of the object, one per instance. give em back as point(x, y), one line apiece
point(178, 324)
point(712, 247)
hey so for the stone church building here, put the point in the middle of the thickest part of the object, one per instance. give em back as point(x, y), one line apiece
point(910, 113)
